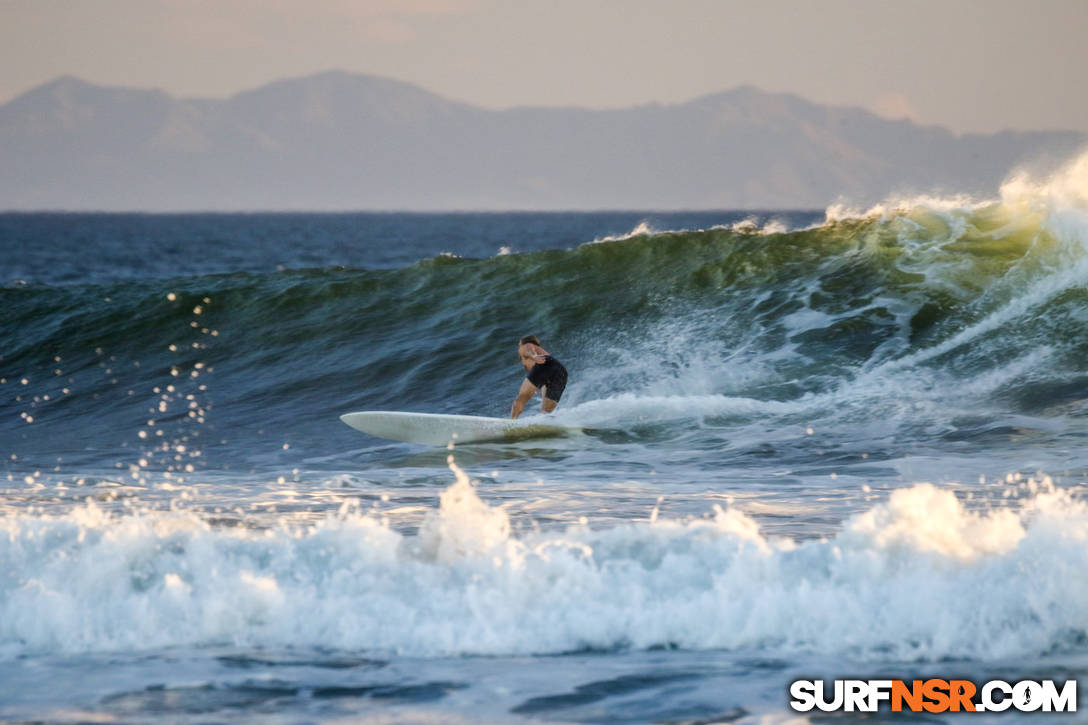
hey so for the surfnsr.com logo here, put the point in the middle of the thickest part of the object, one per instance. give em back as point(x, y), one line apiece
point(934, 695)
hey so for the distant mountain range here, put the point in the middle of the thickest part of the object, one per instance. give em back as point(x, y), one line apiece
point(340, 141)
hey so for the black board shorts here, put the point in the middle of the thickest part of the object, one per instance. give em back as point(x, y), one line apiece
point(550, 375)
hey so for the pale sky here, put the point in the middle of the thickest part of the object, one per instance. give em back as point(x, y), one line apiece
point(971, 65)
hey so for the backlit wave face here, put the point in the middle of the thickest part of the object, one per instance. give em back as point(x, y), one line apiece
point(921, 312)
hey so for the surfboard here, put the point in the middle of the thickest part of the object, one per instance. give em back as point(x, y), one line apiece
point(438, 429)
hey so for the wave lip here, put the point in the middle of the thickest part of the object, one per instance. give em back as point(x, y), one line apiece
point(916, 577)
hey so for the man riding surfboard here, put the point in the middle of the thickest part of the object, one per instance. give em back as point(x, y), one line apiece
point(545, 374)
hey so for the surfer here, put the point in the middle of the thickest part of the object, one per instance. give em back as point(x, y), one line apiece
point(546, 374)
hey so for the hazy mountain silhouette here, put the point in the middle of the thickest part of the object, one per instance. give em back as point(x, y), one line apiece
point(344, 141)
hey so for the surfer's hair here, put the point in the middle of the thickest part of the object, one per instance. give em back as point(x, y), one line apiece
point(529, 340)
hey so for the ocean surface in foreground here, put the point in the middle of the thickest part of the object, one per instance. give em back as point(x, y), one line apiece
point(841, 444)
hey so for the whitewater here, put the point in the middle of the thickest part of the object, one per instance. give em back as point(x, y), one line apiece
point(846, 443)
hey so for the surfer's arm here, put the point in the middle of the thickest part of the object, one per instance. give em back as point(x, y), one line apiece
point(527, 391)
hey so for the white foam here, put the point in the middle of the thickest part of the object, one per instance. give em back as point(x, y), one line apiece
point(635, 408)
point(748, 225)
point(1067, 187)
point(751, 225)
point(895, 206)
point(642, 229)
point(915, 577)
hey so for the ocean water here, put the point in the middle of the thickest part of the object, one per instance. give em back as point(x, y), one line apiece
point(842, 443)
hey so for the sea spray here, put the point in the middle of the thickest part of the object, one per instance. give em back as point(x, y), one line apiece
point(917, 576)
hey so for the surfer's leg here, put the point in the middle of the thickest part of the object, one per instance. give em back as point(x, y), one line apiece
point(547, 405)
point(551, 393)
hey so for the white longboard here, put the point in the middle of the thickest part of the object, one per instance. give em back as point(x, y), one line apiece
point(437, 429)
